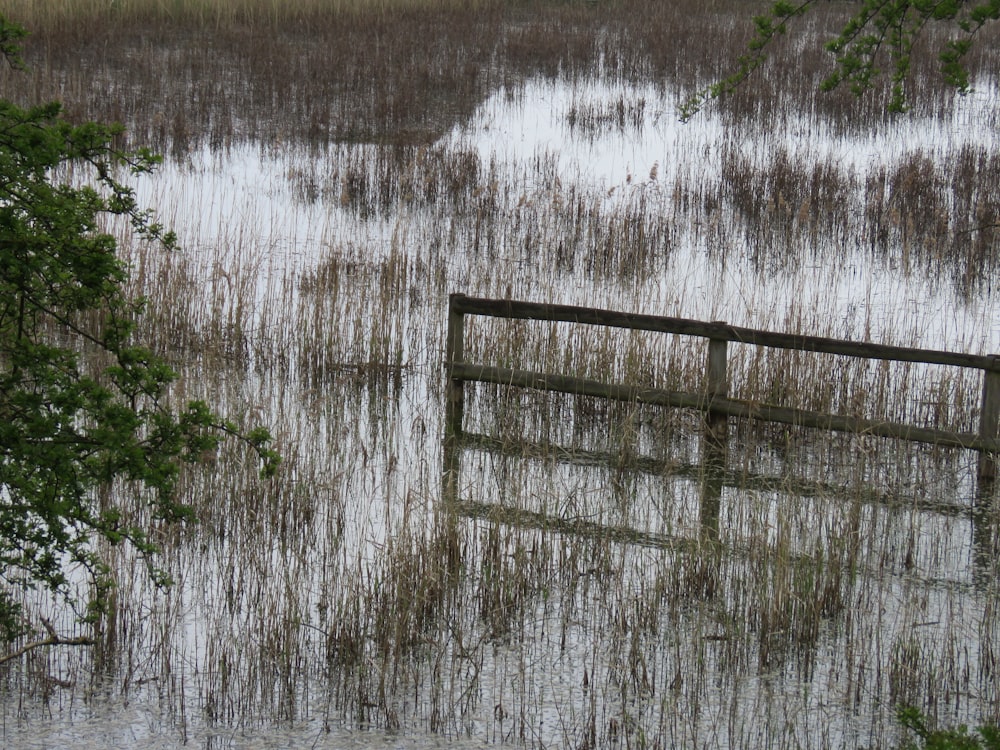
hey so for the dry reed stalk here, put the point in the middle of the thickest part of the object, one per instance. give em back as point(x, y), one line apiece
point(630, 602)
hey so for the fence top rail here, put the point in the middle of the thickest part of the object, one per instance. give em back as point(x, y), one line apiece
point(502, 308)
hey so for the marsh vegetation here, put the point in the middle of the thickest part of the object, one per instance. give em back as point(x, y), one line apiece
point(333, 174)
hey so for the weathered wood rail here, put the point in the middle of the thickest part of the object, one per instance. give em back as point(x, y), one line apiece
point(714, 398)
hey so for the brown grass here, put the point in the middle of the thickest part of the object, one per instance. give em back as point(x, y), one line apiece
point(592, 585)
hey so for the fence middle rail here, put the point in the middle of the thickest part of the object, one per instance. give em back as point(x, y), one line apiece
point(713, 398)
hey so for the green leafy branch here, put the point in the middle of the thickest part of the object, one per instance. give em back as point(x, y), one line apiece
point(953, 738)
point(767, 27)
point(85, 412)
point(879, 33)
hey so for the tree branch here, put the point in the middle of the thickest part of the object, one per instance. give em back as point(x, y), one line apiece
point(54, 639)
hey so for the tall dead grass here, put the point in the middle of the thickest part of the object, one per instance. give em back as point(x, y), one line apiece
point(592, 586)
point(179, 73)
point(52, 14)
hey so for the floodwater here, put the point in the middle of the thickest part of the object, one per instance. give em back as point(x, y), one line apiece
point(571, 666)
point(526, 141)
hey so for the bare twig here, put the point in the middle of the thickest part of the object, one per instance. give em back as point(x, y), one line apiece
point(981, 227)
point(54, 639)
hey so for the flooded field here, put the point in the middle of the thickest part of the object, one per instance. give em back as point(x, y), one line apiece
point(585, 583)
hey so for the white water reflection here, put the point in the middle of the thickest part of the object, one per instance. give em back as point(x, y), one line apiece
point(526, 145)
point(240, 214)
point(543, 118)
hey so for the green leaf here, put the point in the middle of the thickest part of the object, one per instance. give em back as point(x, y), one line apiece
point(878, 37)
point(82, 414)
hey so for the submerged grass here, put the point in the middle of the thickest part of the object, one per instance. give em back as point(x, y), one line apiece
point(590, 584)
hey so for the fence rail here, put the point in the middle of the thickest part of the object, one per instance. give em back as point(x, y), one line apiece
point(714, 398)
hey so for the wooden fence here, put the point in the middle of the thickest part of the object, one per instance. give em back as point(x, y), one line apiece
point(714, 397)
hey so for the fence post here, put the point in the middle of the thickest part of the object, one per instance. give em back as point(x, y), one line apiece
point(455, 352)
point(989, 421)
point(717, 385)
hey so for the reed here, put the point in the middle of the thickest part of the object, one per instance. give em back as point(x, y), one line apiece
point(216, 13)
point(588, 583)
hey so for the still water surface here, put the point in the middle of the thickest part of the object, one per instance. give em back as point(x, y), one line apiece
point(537, 152)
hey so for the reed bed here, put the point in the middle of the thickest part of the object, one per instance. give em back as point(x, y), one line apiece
point(584, 580)
point(217, 13)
